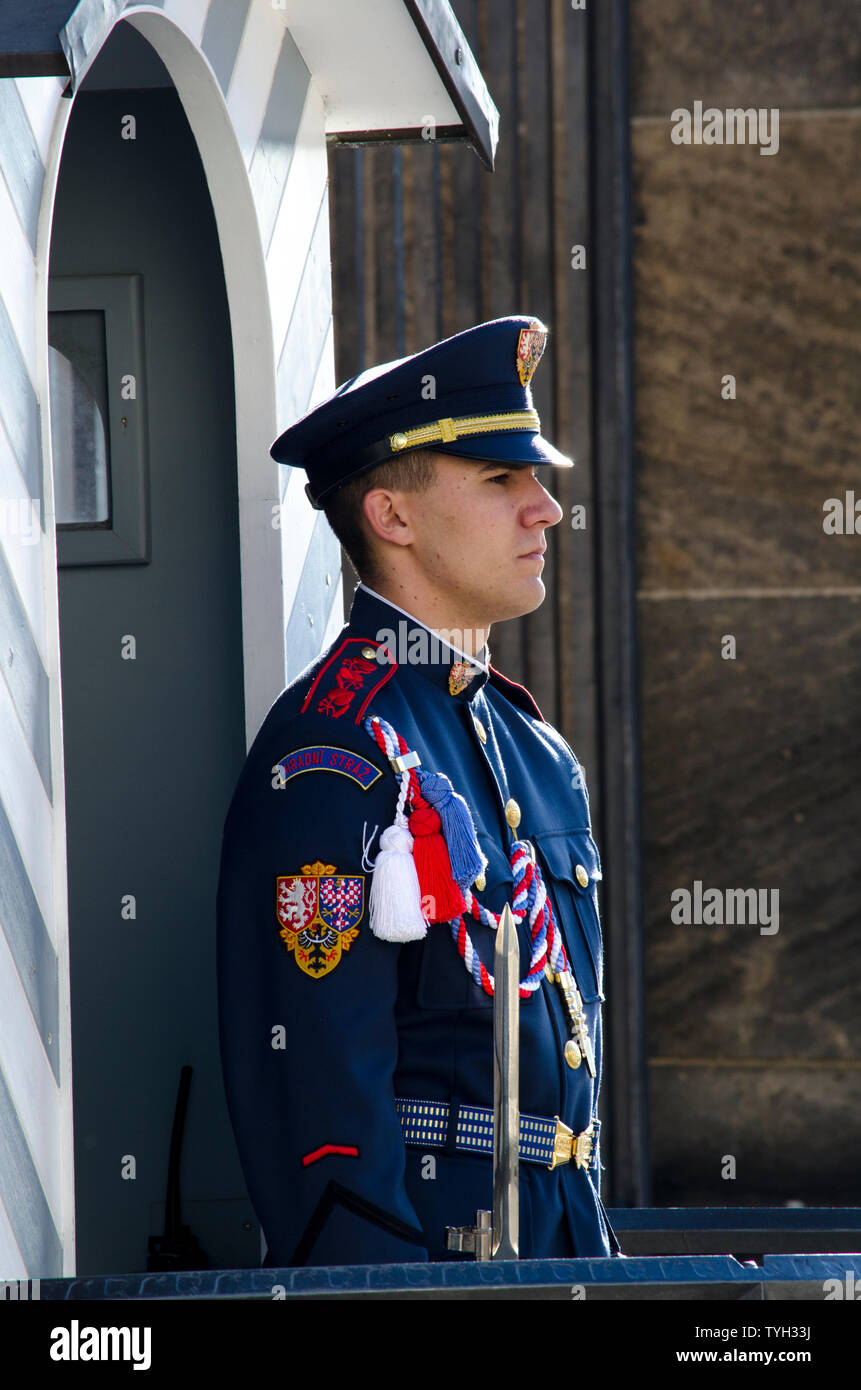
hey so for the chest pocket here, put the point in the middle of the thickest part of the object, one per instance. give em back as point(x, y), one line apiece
point(443, 979)
point(561, 855)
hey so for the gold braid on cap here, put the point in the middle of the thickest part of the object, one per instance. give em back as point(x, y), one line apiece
point(446, 431)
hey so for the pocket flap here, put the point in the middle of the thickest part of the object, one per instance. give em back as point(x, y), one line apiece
point(571, 855)
point(573, 866)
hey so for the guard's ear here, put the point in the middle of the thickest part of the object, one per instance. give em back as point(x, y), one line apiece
point(387, 512)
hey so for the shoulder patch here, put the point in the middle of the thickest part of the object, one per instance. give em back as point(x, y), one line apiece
point(318, 911)
point(347, 682)
point(322, 757)
point(517, 694)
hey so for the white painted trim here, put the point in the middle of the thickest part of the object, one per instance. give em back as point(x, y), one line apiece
point(324, 382)
point(39, 96)
point(190, 15)
point(254, 360)
point(336, 617)
point(22, 541)
point(297, 217)
point(12, 1264)
point(56, 910)
point(323, 388)
point(253, 71)
point(297, 516)
point(297, 520)
point(27, 805)
point(369, 63)
point(17, 278)
point(31, 1081)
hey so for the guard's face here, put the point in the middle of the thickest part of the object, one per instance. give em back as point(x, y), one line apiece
point(478, 538)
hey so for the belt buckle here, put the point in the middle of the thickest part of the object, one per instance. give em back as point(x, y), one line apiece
point(563, 1141)
point(568, 1145)
point(582, 1154)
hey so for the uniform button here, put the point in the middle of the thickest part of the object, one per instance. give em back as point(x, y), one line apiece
point(581, 876)
point(479, 728)
point(369, 653)
point(480, 883)
point(512, 813)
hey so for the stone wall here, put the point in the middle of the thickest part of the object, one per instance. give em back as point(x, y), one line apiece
point(747, 265)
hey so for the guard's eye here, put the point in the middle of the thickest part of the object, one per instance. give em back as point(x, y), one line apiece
point(499, 477)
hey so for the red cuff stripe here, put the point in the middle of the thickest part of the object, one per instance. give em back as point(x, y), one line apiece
point(329, 1149)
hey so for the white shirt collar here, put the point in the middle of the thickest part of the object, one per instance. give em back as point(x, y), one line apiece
point(464, 656)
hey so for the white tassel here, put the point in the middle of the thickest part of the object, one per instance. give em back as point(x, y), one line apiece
point(395, 908)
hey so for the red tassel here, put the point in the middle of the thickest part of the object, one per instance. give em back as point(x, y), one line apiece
point(433, 866)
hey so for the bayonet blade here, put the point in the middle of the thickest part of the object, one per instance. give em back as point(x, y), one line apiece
point(506, 1090)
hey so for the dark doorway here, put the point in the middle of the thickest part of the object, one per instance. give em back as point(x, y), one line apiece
point(151, 646)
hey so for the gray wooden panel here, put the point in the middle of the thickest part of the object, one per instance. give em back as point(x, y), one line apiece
point(614, 588)
point(534, 295)
point(23, 1196)
point(419, 163)
point(570, 365)
point(27, 936)
point(344, 174)
point(381, 233)
point(25, 675)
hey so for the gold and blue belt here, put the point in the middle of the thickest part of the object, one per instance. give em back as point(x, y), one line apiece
point(547, 1141)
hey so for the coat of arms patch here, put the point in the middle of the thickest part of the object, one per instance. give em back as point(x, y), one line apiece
point(318, 911)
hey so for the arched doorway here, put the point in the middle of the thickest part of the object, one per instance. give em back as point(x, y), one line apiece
point(151, 637)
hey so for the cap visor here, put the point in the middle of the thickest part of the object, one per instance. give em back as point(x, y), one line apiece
point(512, 447)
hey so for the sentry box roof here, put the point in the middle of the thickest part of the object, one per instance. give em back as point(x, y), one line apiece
point(384, 67)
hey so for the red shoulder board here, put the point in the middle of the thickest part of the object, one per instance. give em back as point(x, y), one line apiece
point(517, 694)
point(345, 684)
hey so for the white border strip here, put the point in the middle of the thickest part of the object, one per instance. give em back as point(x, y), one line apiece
point(31, 1082)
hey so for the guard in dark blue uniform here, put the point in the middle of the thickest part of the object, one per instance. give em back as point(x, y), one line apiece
point(398, 794)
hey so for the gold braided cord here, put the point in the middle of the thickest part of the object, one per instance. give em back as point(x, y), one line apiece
point(445, 431)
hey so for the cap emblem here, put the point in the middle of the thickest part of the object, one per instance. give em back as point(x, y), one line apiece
point(530, 346)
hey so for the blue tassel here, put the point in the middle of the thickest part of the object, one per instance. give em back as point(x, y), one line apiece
point(467, 860)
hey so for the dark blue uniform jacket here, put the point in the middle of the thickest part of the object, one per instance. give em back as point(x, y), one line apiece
point(314, 1057)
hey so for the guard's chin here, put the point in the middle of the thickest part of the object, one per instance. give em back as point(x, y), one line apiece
point(529, 596)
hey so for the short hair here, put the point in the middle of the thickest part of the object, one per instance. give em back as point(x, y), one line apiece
point(412, 472)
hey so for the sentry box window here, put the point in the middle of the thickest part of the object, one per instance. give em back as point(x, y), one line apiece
point(98, 419)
